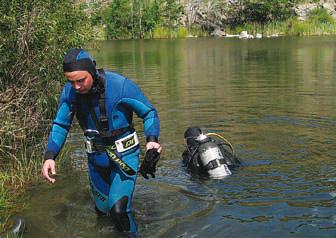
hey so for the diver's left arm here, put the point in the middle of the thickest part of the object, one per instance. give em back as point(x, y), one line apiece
point(133, 97)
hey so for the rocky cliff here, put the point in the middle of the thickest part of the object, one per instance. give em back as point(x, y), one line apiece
point(215, 15)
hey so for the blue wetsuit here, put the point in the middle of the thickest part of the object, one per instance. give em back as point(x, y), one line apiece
point(114, 194)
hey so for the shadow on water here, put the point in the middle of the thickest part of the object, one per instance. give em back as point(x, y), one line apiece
point(273, 99)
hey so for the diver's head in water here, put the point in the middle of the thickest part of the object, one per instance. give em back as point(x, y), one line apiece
point(205, 155)
point(80, 70)
point(192, 134)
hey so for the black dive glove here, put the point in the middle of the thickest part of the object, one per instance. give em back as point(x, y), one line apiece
point(148, 165)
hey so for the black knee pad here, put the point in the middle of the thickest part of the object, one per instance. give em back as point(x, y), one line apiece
point(119, 214)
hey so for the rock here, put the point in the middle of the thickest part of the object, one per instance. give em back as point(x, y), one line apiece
point(245, 35)
point(230, 36)
point(258, 36)
point(302, 10)
point(218, 32)
point(212, 16)
point(273, 35)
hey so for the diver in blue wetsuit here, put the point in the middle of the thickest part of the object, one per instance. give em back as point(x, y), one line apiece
point(104, 102)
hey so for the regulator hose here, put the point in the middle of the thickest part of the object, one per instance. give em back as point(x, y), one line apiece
point(226, 142)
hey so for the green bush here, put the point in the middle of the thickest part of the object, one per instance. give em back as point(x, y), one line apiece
point(247, 11)
point(140, 18)
point(197, 31)
point(34, 37)
point(161, 32)
point(181, 32)
point(320, 15)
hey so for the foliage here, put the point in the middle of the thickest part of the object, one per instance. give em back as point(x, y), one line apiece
point(306, 28)
point(292, 26)
point(164, 32)
point(118, 19)
point(139, 19)
point(320, 15)
point(34, 36)
point(243, 11)
point(197, 31)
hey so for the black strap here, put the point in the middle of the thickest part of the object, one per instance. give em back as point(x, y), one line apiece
point(103, 120)
point(213, 163)
point(77, 110)
point(93, 113)
point(101, 123)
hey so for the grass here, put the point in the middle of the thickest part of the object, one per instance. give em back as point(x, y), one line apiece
point(319, 22)
point(15, 178)
point(290, 27)
point(180, 32)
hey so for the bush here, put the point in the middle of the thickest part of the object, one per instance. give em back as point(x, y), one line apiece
point(34, 37)
point(141, 18)
point(161, 32)
point(247, 11)
point(181, 32)
point(320, 15)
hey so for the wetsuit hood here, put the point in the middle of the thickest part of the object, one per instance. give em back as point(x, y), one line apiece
point(78, 59)
point(192, 132)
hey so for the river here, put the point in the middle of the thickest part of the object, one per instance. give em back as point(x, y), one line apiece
point(273, 99)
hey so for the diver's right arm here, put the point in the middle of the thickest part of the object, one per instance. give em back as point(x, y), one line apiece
point(58, 133)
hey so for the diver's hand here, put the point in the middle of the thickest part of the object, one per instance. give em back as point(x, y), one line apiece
point(148, 165)
point(49, 166)
point(154, 145)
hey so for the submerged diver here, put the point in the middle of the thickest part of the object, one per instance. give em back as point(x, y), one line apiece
point(104, 102)
point(208, 156)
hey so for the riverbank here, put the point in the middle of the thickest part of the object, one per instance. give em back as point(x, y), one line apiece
point(291, 27)
point(181, 19)
point(16, 178)
point(34, 37)
point(318, 22)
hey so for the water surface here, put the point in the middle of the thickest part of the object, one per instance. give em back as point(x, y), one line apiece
point(274, 99)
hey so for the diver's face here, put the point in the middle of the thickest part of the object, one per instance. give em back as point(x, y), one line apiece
point(82, 81)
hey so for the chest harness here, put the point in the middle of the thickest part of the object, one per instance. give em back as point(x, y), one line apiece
point(102, 139)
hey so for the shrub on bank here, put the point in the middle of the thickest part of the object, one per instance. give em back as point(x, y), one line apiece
point(34, 37)
point(141, 19)
point(319, 22)
point(163, 32)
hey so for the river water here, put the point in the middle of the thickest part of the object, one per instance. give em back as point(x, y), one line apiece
point(273, 99)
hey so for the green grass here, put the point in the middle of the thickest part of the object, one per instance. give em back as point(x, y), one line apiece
point(16, 177)
point(319, 22)
point(180, 32)
point(291, 27)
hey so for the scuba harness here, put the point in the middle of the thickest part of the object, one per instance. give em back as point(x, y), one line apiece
point(208, 155)
point(102, 139)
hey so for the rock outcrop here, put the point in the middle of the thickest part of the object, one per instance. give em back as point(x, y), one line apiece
point(213, 16)
point(302, 10)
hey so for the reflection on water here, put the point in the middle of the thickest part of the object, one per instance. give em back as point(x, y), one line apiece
point(274, 99)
